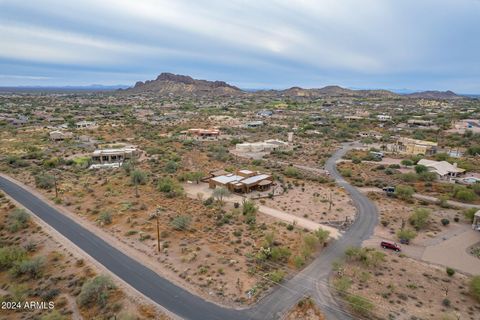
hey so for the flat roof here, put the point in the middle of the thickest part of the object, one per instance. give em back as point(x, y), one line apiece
point(113, 151)
point(227, 178)
point(254, 179)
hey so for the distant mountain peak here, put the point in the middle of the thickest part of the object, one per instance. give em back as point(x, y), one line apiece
point(433, 94)
point(169, 83)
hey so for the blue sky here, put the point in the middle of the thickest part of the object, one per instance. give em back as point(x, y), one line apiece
point(393, 44)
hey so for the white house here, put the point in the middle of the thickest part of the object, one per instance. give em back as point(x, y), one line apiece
point(58, 135)
point(383, 117)
point(265, 146)
point(85, 124)
point(443, 169)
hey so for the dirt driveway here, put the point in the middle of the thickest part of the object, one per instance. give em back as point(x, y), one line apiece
point(193, 190)
point(449, 249)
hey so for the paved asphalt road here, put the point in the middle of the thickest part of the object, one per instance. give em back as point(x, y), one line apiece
point(311, 281)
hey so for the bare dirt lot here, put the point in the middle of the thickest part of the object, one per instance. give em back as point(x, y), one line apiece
point(317, 202)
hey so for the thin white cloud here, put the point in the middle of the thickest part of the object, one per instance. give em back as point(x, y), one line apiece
point(311, 37)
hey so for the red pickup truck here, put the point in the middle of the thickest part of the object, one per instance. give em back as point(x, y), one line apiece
point(391, 246)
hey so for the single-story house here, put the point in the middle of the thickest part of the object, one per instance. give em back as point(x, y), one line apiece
point(201, 134)
point(415, 146)
point(443, 169)
point(117, 155)
point(85, 124)
point(265, 146)
point(58, 135)
point(243, 181)
point(254, 124)
point(384, 117)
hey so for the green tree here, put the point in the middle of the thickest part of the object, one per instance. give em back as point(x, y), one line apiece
point(419, 218)
point(322, 235)
point(404, 192)
point(406, 234)
point(464, 194)
point(420, 168)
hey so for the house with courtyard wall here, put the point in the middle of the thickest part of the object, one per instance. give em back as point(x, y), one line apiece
point(242, 181)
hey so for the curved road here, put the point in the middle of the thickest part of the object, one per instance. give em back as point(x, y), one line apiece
point(311, 281)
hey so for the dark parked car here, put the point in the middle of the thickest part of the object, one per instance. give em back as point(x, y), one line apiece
point(391, 246)
point(390, 191)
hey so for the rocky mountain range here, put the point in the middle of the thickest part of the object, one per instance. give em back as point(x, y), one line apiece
point(174, 84)
point(181, 85)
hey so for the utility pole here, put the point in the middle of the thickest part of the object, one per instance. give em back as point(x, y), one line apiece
point(330, 203)
point(157, 216)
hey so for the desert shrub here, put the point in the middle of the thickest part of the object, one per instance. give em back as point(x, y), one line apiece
point(406, 162)
point(49, 295)
point(420, 168)
point(31, 268)
point(427, 176)
point(52, 162)
point(208, 201)
point(18, 219)
point(11, 255)
point(181, 223)
point(95, 291)
point(298, 261)
point(474, 286)
point(406, 234)
point(404, 192)
point(138, 177)
point(221, 193)
point(171, 167)
point(446, 302)
point(249, 210)
point(464, 194)
point(250, 218)
point(292, 172)
point(346, 172)
point(474, 150)
point(105, 218)
point(170, 187)
point(54, 315)
point(408, 177)
point(44, 181)
point(280, 254)
point(360, 304)
point(356, 160)
point(367, 256)
point(470, 213)
point(450, 271)
point(342, 284)
point(276, 276)
point(322, 235)
point(16, 162)
point(419, 218)
point(445, 221)
point(443, 201)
